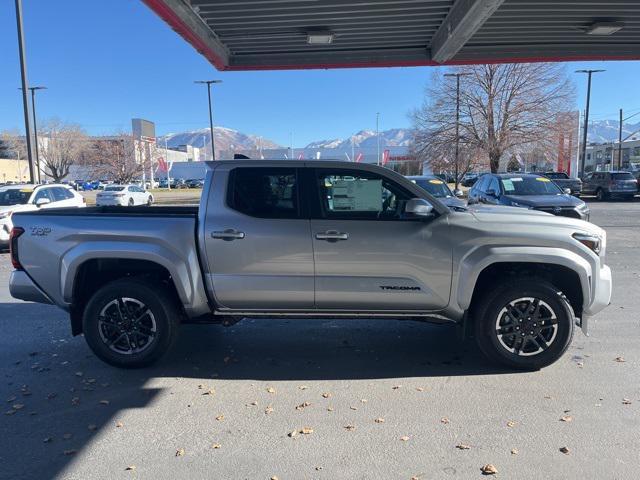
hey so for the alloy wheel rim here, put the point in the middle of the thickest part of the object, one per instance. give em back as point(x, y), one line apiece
point(526, 326)
point(127, 326)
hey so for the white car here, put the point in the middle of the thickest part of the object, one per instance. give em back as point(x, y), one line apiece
point(24, 198)
point(123, 195)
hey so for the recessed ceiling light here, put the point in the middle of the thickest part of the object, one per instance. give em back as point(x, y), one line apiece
point(604, 28)
point(319, 38)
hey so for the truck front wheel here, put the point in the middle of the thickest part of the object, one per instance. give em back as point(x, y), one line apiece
point(130, 323)
point(524, 324)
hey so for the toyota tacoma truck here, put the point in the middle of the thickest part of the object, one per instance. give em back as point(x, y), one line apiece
point(315, 239)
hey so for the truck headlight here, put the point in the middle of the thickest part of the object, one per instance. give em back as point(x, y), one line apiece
point(592, 242)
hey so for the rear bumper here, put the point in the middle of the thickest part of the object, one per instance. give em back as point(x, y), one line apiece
point(110, 202)
point(23, 288)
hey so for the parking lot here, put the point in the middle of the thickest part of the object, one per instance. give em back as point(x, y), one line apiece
point(297, 399)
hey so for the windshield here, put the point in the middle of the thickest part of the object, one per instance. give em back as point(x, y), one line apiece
point(435, 187)
point(529, 186)
point(14, 196)
point(113, 189)
point(556, 175)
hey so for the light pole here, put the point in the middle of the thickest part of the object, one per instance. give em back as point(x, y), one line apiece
point(25, 101)
point(209, 83)
point(583, 150)
point(456, 163)
point(35, 125)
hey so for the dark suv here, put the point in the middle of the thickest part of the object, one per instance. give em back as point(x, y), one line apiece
point(606, 185)
point(527, 191)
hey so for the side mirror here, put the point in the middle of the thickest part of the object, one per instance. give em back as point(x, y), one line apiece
point(491, 193)
point(42, 201)
point(418, 207)
point(566, 191)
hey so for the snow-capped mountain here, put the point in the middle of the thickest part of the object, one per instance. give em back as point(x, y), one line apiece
point(225, 139)
point(604, 131)
point(395, 137)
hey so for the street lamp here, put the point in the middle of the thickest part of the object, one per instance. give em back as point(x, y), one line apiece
point(378, 137)
point(208, 83)
point(583, 152)
point(457, 75)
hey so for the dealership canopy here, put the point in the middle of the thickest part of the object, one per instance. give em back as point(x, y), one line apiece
point(282, 34)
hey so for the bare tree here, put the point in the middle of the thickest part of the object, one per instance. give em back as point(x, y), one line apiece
point(13, 145)
point(502, 107)
point(61, 145)
point(115, 158)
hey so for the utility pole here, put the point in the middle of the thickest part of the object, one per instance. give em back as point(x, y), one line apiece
point(620, 142)
point(457, 151)
point(583, 150)
point(209, 83)
point(35, 126)
point(378, 137)
point(25, 83)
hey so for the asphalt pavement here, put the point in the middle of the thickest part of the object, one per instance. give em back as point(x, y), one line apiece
point(325, 399)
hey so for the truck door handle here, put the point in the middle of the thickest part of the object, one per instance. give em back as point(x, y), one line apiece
point(332, 236)
point(228, 235)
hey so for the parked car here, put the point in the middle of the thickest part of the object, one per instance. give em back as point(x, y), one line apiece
point(605, 185)
point(313, 239)
point(436, 187)
point(468, 179)
point(24, 198)
point(178, 183)
point(527, 191)
point(563, 180)
point(195, 183)
point(123, 195)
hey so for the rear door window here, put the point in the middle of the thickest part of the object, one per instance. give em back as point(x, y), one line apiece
point(622, 176)
point(264, 192)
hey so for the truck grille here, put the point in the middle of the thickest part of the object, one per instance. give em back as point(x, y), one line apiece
point(560, 211)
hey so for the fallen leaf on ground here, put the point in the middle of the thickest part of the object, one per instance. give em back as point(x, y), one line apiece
point(625, 401)
point(349, 428)
point(216, 446)
point(511, 424)
point(210, 392)
point(254, 403)
point(444, 420)
point(363, 400)
point(462, 446)
point(303, 405)
point(220, 418)
point(18, 406)
point(268, 410)
point(566, 418)
point(514, 451)
point(119, 424)
point(306, 430)
point(489, 469)
point(271, 390)
point(565, 450)
point(104, 402)
point(620, 359)
point(293, 433)
point(329, 409)
point(180, 452)
point(353, 408)
point(130, 467)
point(420, 389)
point(404, 438)
point(326, 395)
point(379, 420)
point(303, 387)
point(47, 440)
point(396, 387)
point(274, 478)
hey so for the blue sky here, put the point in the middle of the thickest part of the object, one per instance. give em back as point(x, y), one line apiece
point(106, 62)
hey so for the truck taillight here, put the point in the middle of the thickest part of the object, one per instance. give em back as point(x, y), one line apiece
point(13, 246)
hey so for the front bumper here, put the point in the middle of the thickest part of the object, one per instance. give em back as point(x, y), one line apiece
point(23, 288)
point(601, 287)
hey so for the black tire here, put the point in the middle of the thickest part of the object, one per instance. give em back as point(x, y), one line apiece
point(160, 326)
point(131, 202)
point(149, 201)
point(601, 195)
point(491, 313)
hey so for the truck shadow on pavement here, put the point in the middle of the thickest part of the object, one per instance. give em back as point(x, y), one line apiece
point(59, 396)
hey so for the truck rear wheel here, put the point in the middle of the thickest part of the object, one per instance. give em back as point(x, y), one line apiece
point(525, 325)
point(130, 323)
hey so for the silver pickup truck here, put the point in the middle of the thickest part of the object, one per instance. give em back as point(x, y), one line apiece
point(312, 239)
